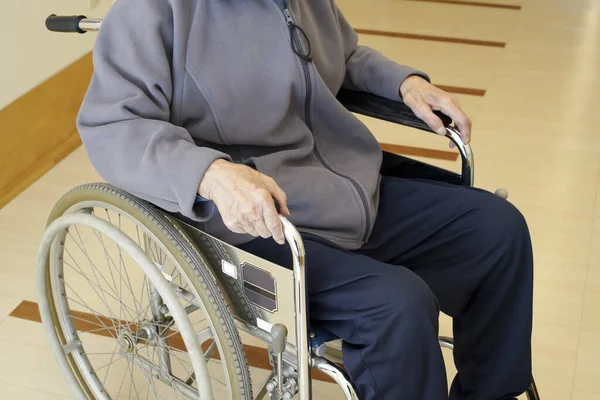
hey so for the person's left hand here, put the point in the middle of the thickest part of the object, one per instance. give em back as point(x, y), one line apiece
point(423, 98)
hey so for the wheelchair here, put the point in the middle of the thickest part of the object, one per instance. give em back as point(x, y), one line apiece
point(165, 306)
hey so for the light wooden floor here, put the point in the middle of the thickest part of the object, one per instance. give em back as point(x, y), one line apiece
point(535, 132)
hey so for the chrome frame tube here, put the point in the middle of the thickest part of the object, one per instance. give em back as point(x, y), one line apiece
point(165, 377)
point(280, 373)
point(156, 304)
point(532, 392)
point(338, 375)
point(301, 310)
point(446, 342)
point(466, 155)
point(90, 24)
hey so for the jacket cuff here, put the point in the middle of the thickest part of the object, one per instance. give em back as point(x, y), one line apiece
point(191, 170)
point(391, 78)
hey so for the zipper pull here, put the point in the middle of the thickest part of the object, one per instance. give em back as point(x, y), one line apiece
point(288, 16)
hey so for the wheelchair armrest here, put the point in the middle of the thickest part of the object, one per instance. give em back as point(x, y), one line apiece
point(397, 112)
point(381, 108)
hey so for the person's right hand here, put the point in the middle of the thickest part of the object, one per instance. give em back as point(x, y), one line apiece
point(244, 197)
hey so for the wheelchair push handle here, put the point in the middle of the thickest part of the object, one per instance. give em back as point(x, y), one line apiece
point(66, 24)
point(72, 23)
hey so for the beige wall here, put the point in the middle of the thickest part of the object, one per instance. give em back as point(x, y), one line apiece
point(29, 54)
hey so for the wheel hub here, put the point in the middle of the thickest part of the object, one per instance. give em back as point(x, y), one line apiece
point(127, 342)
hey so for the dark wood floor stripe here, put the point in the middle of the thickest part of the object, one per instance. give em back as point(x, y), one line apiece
point(258, 357)
point(474, 4)
point(419, 152)
point(431, 38)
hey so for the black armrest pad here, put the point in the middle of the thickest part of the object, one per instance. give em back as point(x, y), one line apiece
point(385, 109)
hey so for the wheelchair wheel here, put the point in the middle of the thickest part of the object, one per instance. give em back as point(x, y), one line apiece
point(129, 305)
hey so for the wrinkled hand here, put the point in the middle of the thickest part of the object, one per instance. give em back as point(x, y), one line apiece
point(244, 197)
point(423, 98)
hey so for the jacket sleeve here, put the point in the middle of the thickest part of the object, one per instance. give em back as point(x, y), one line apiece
point(124, 120)
point(367, 70)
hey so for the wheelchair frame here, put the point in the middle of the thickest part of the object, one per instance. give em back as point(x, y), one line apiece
point(302, 350)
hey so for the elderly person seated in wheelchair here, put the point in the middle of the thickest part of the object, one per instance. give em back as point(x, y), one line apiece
point(226, 113)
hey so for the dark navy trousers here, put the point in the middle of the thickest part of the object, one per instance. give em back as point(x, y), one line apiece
point(435, 247)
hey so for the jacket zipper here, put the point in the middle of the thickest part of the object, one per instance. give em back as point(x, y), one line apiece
point(306, 59)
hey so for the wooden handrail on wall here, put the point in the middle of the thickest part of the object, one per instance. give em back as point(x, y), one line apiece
point(38, 129)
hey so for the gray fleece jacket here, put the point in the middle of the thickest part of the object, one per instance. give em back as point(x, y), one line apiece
point(178, 84)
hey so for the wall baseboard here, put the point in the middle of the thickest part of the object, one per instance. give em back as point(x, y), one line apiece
point(38, 129)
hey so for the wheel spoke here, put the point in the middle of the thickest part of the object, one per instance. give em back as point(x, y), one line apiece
point(121, 262)
point(133, 382)
point(111, 358)
point(85, 253)
point(182, 362)
point(218, 380)
point(150, 384)
point(109, 364)
point(83, 304)
point(109, 260)
point(96, 286)
point(151, 358)
point(110, 263)
point(130, 369)
point(175, 332)
point(122, 267)
point(121, 386)
point(87, 321)
point(102, 297)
